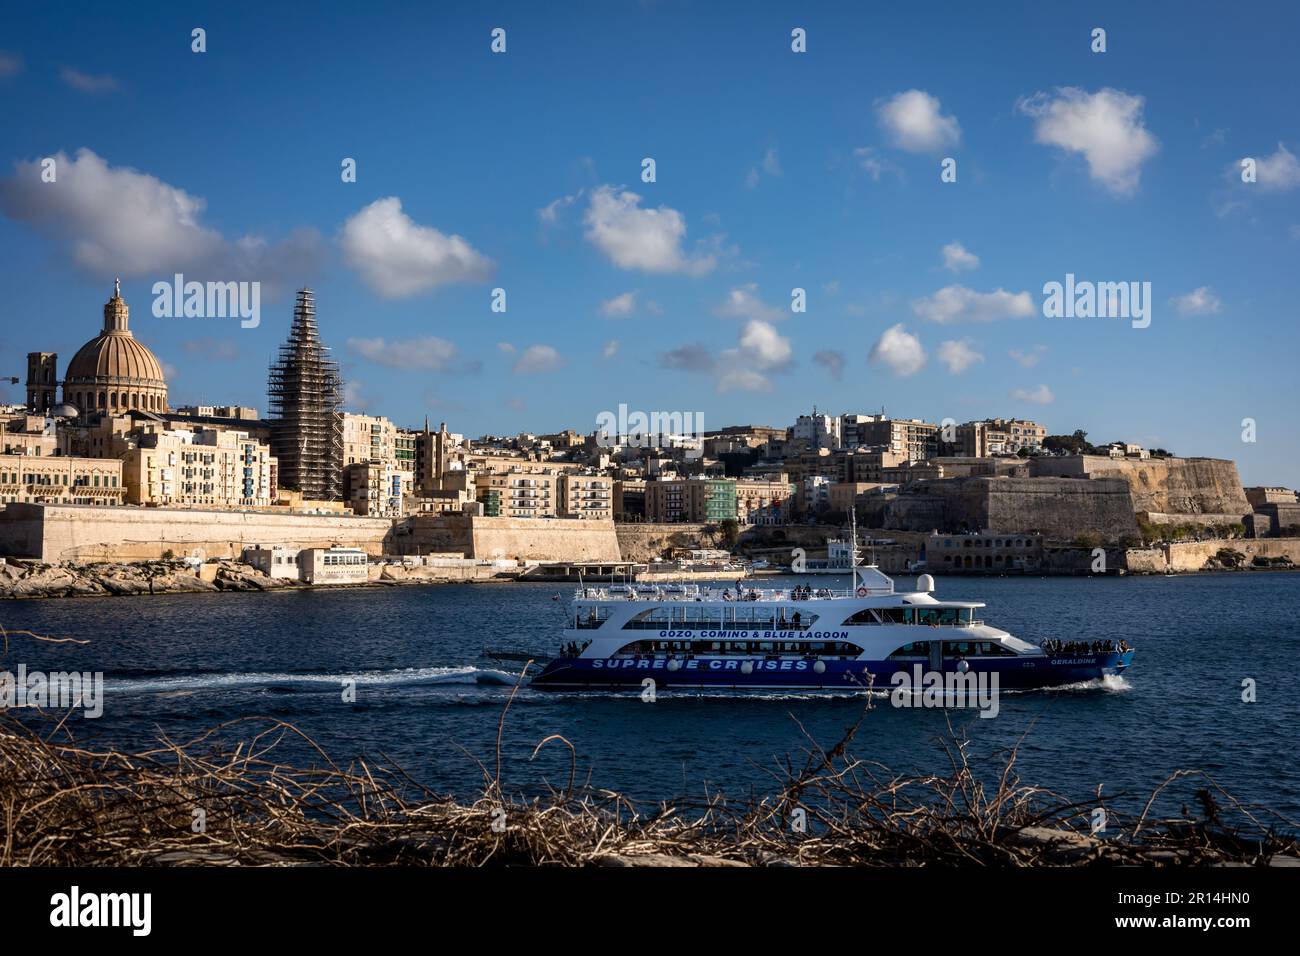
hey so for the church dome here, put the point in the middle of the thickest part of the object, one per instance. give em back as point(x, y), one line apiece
point(114, 372)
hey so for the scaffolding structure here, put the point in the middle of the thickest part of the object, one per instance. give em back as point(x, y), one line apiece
point(305, 398)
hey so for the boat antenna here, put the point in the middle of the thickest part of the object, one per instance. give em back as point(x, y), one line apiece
point(853, 548)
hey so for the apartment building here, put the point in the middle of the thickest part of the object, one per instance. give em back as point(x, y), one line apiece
point(367, 437)
point(61, 480)
point(377, 488)
point(589, 497)
point(696, 500)
point(999, 436)
point(760, 501)
point(518, 494)
point(910, 437)
point(203, 468)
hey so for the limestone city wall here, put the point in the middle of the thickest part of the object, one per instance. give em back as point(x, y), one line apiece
point(87, 533)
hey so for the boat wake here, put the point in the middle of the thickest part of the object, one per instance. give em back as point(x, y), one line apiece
point(182, 684)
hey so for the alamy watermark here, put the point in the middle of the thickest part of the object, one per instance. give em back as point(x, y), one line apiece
point(62, 690)
point(1098, 300)
point(638, 429)
point(208, 300)
point(959, 688)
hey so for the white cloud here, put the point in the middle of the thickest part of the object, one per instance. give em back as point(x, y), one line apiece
point(610, 349)
point(550, 213)
point(764, 346)
point(759, 350)
point(957, 258)
point(1278, 172)
point(117, 221)
point(1042, 395)
point(743, 303)
point(87, 82)
point(958, 355)
point(428, 353)
point(875, 164)
point(636, 238)
point(832, 361)
point(619, 306)
point(1028, 358)
point(506, 348)
point(1200, 301)
point(956, 303)
point(538, 358)
point(770, 166)
point(398, 258)
point(913, 122)
point(899, 350)
point(1105, 127)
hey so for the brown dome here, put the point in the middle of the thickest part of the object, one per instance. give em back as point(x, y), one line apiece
point(115, 355)
point(113, 371)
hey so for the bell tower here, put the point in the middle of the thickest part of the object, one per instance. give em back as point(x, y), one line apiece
point(42, 380)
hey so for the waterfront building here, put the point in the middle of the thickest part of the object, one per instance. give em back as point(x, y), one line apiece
point(274, 561)
point(203, 468)
point(305, 393)
point(764, 501)
point(60, 479)
point(112, 373)
point(629, 499)
point(517, 493)
point(985, 551)
point(589, 497)
point(333, 565)
point(696, 500)
point(376, 488)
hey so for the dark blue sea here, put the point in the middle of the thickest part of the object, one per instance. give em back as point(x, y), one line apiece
point(426, 700)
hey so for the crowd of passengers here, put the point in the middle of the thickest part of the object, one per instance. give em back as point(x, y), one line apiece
point(801, 592)
point(1070, 648)
point(572, 649)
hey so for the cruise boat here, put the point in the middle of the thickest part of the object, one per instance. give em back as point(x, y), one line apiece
point(808, 638)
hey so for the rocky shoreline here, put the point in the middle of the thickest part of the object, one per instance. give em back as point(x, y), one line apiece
point(20, 580)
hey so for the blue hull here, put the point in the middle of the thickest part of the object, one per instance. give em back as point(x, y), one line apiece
point(629, 674)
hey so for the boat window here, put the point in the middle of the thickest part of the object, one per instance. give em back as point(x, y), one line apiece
point(938, 615)
point(591, 616)
point(917, 650)
point(975, 649)
point(869, 615)
point(787, 649)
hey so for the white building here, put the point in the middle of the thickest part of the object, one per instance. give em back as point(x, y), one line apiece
point(334, 565)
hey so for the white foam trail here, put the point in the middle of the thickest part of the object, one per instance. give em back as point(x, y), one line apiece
point(221, 682)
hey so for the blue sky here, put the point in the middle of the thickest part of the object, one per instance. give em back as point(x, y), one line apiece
point(774, 170)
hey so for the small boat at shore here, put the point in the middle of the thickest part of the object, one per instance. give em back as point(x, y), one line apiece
point(802, 637)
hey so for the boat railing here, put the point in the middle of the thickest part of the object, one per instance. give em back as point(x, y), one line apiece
point(721, 594)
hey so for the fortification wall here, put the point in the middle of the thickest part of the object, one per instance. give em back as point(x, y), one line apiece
point(1059, 508)
point(1172, 486)
point(524, 539)
point(86, 533)
point(542, 539)
point(648, 542)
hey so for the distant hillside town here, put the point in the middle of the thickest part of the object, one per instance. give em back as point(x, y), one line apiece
point(213, 480)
